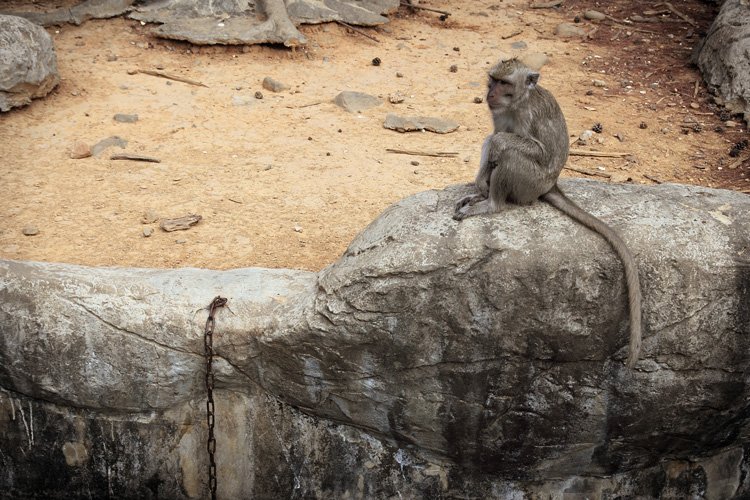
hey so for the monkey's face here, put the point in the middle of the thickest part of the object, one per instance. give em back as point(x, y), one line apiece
point(509, 84)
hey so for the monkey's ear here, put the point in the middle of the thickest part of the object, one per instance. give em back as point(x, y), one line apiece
point(532, 79)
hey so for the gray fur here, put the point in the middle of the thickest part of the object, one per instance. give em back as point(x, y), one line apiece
point(522, 159)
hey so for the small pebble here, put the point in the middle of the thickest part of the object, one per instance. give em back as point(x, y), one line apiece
point(730, 124)
point(376, 61)
point(415, 163)
point(259, 95)
point(297, 229)
point(399, 74)
point(30, 230)
point(594, 15)
point(80, 150)
point(124, 118)
point(274, 85)
point(478, 100)
point(457, 49)
point(599, 83)
point(147, 231)
point(643, 125)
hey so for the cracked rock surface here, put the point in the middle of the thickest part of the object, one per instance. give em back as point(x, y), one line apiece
point(28, 64)
point(723, 57)
point(434, 358)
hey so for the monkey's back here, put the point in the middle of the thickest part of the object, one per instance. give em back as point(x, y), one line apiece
point(547, 125)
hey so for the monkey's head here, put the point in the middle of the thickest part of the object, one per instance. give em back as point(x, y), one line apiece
point(509, 84)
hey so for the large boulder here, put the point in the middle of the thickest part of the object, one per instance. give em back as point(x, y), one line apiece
point(723, 57)
point(28, 64)
point(435, 358)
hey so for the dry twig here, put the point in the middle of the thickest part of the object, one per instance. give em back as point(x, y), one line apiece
point(357, 30)
point(169, 76)
point(134, 157)
point(588, 172)
point(440, 154)
point(597, 154)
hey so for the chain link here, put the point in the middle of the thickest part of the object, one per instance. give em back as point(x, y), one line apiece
point(208, 345)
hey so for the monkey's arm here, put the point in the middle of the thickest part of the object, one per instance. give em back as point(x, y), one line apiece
point(482, 181)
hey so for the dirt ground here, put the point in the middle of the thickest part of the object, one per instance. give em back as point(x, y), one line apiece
point(288, 180)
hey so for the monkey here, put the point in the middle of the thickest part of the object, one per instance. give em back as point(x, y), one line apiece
point(521, 162)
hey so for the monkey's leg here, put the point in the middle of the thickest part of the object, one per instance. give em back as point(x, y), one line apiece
point(485, 205)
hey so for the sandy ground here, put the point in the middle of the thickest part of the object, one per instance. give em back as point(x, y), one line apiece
point(290, 179)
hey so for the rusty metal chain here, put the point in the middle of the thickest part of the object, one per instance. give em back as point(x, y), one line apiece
point(208, 344)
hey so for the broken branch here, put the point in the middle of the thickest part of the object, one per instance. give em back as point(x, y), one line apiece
point(441, 154)
point(134, 157)
point(597, 154)
point(168, 76)
point(409, 4)
point(588, 172)
point(357, 30)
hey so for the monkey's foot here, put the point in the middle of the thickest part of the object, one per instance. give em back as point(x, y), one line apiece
point(469, 200)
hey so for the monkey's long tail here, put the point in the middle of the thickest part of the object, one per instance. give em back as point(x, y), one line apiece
point(557, 199)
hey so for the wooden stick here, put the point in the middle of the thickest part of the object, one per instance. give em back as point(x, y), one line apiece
point(305, 105)
point(512, 34)
point(588, 172)
point(407, 4)
point(357, 30)
point(168, 76)
point(652, 179)
point(597, 154)
point(134, 157)
point(679, 14)
point(441, 154)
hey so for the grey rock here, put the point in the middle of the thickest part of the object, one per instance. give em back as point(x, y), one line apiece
point(594, 15)
point(30, 230)
point(107, 143)
point(569, 30)
point(433, 357)
point(247, 22)
point(28, 64)
point(356, 102)
point(419, 123)
point(722, 57)
point(519, 45)
point(125, 118)
point(274, 85)
point(79, 13)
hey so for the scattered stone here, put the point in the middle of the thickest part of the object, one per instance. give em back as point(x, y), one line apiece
point(695, 105)
point(419, 123)
point(519, 45)
point(297, 229)
point(643, 125)
point(376, 61)
point(599, 83)
point(399, 74)
point(594, 15)
point(180, 241)
point(274, 85)
point(453, 68)
point(589, 92)
point(619, 136)
point(30, 230)
point(415, 163)
point(568, 30)
point(80, 150)
point(149, 217)
point(147, 231)
point(109, 142)
point(535, 60)
point(478, 100)
point(585, 136)
point(730, 124)
point(259, 95)
point(457, 49)
point(180, 223)
point(396, 98)
point(111, 57)
point(356, 102)
point(123, 118)
point(28, 64)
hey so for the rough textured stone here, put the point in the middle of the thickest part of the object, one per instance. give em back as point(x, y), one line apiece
point(356, 102)
point(419, 123)
point(434, 359)
point(79, 13)
point(723, 56)
point(569, 30)
point(28, 64)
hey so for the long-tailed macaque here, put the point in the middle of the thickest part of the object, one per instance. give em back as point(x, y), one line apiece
point(522, 159)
